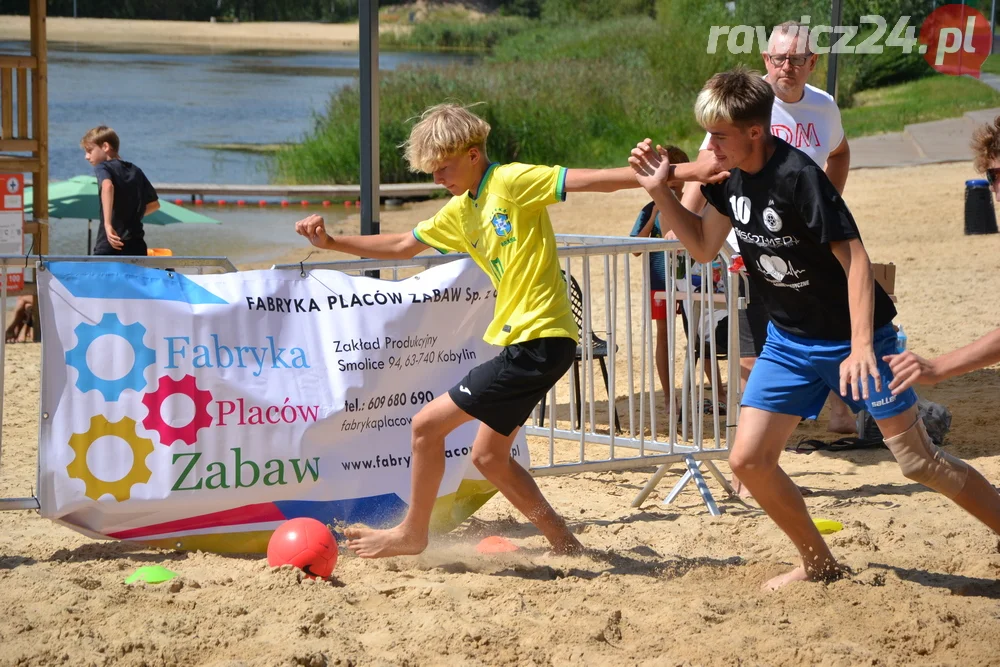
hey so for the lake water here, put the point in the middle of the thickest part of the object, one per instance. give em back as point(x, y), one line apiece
point(167, 106)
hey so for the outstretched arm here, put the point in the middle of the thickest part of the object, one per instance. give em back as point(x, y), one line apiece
point(909, 369)
point(702, 235)
point(600, 180)
point(705, 170)
point(378, 246)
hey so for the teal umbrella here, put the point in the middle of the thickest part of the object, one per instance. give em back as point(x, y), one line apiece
point(78, 198)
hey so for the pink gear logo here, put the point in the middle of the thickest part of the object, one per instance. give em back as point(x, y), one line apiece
point(168, 387)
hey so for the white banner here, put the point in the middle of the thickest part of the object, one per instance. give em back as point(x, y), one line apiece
point(199, 412)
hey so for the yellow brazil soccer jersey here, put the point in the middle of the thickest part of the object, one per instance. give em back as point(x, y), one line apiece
point(506, 229)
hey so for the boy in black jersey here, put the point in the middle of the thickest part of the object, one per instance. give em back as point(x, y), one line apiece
point(831, 323)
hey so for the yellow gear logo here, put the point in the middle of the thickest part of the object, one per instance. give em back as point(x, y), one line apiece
point(125, 428)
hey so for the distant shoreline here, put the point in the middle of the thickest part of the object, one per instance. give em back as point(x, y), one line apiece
point(279, 36)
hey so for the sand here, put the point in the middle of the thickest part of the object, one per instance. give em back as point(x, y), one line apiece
point(662, 585)
point(119, 33)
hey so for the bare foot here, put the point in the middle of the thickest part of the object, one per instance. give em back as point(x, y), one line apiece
point(830, 573)
point(369, 543)
point(798, 574)
point(741, 491)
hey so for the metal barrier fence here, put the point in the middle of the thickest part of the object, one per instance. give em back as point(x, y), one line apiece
point(632, 426)
point(610, 287)
point(8, 262)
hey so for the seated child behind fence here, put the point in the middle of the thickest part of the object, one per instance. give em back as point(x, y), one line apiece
point(647, 225)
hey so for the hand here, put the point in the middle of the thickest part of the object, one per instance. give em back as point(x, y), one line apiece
point(670, 236)
point(651, 167)
point(909, 369)
point(709, 168)
point(113, 239)
point(314, 229)
point(855, 370)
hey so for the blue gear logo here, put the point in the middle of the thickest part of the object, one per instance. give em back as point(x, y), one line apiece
point(110, 389)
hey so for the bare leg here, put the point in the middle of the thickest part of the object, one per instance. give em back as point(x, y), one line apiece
point(430, 426)
point(710, 380)
point(841, 418)
point(760, 439)
point(746, 365)
point(978, 498)
point(662, 368)
point(491, 455)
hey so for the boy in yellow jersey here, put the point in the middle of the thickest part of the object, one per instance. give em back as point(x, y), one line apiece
point(497, 215)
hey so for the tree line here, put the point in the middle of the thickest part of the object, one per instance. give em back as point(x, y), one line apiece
point(315, 10)
point(202, 10)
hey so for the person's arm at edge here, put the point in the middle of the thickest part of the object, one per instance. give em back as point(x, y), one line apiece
point(647, 229)
point(107, 206)
point(151, 207)
point(377, 246)
point(909, 368)
point(861, 298)
point(838, 165)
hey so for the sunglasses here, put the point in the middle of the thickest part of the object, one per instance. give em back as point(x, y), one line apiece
point(779, 60)
point(991, 176)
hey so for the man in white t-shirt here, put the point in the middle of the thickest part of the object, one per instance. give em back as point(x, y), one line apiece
point(808, 119)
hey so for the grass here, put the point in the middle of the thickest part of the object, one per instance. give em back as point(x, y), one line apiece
point(581, 93)
point(455, 35)
point(992, 64)
point(932, 98)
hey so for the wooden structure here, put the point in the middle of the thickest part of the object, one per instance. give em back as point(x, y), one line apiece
point(24, 145)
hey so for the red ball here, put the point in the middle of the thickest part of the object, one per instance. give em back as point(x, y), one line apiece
point(305, 543)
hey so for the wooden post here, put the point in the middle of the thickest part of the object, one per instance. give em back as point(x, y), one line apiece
point(7, 103)
point(40, 120)
point(40, 132)
point(22, 103)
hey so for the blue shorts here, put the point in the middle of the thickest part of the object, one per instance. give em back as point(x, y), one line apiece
point(794, 375)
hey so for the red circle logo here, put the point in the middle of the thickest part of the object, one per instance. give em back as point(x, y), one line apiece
point(955, 40)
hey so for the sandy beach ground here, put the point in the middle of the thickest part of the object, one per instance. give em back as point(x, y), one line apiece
point(285, 36)
point(662, 585)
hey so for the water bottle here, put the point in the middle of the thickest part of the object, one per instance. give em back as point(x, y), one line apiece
point(900, 340)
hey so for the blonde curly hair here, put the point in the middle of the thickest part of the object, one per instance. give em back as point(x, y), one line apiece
point(986, 145)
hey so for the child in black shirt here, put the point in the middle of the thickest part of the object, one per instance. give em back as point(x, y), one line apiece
point(126, 195)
